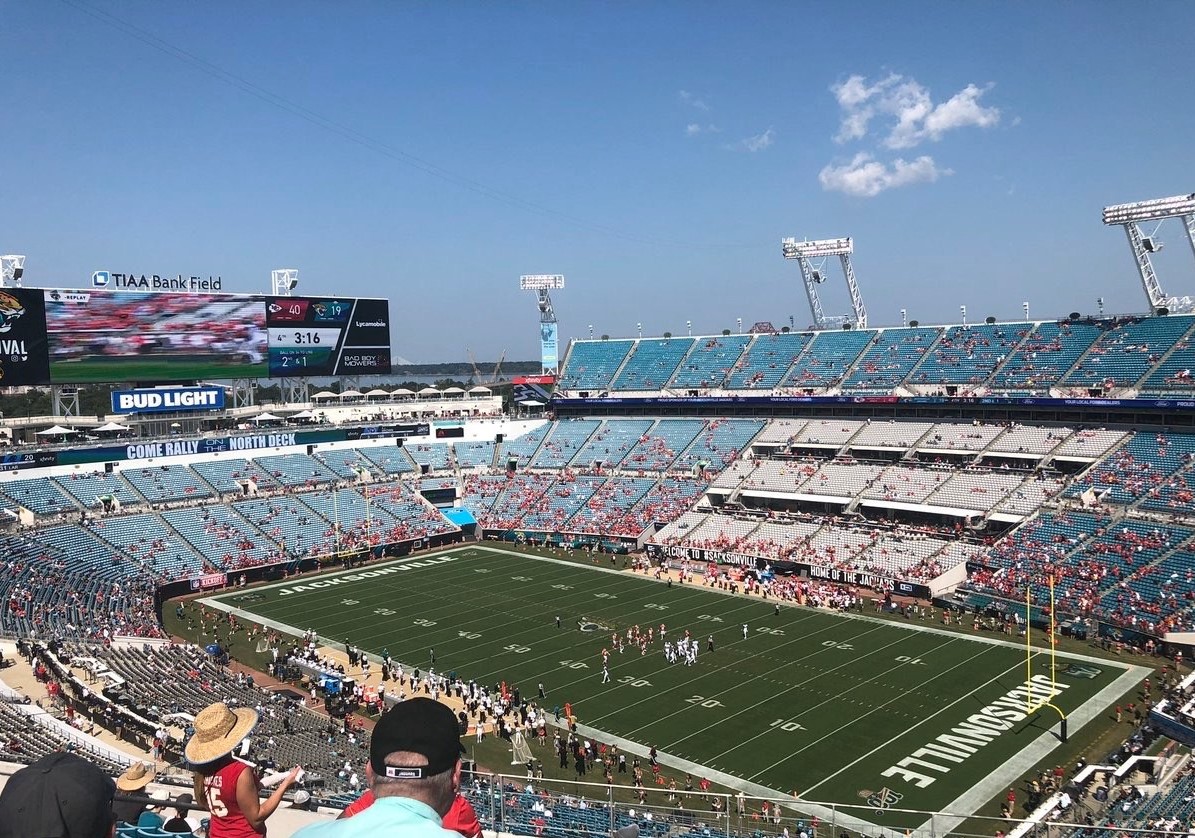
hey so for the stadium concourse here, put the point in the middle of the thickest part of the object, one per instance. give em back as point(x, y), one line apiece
point(964, 511)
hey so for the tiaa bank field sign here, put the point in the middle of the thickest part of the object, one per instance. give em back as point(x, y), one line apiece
point(167, 399)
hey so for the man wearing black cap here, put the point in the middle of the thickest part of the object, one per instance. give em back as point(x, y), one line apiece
point(59, 796)
point(414, 771)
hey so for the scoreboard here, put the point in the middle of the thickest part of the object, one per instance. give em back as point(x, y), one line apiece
point(67, 336)
point(327, 336)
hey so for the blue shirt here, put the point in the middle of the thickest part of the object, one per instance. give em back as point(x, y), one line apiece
point(415, 819)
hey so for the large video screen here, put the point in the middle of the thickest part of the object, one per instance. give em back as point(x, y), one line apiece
point(135, 336)
point(328, 336)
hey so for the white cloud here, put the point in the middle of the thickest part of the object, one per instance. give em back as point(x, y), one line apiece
point(759, 142)
point(693, 101)
point(695, 128)
point(910, 111)
point(866, 177)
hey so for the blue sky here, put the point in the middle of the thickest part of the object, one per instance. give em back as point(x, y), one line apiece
point(655, 153)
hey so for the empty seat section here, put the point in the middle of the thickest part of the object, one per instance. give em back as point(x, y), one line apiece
point(167, 484)
point(652, 364)
point(88, 488)
point(296, 469)
point(1124, 353)
point(763, 365)
point(968, 355)
point(1045, 355)
point(39, 495)
point(718, 445)
point(889, 359)
point(709, 362)
point(611, 442)
point(475, 454)
point(591, 364)
point(222, 536)
point(228, 475)
point(825, 363)
point(563, 442)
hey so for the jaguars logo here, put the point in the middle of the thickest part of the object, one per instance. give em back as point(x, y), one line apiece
point(11, 310)
point(588, 625)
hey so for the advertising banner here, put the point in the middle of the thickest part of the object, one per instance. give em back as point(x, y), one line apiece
point(167, 399)
point(24, 356)
point(548, 345)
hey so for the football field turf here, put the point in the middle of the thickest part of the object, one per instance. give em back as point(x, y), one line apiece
point(809, 702)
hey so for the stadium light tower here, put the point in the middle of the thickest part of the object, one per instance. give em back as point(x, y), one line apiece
point(284, 280)
point(541, 284)
point(803, 251)
point(12, 270)
point(1130, 216)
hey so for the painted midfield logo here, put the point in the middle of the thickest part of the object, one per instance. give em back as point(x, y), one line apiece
point(586, 624)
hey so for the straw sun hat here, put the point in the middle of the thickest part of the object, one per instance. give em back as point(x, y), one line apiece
point(218, 730)
point(136, 777)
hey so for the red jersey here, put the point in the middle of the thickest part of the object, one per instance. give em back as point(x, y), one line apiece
point(220, 790)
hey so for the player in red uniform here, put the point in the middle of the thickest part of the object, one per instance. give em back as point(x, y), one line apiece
point(225, 785)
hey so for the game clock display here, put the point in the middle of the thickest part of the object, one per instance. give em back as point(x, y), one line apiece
point(327, 336)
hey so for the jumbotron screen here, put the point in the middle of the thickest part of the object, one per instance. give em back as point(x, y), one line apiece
point(63, 336)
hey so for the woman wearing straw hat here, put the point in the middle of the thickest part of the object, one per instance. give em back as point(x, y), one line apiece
point(227, 785)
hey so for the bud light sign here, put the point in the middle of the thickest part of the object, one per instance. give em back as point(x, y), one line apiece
point(167, 399)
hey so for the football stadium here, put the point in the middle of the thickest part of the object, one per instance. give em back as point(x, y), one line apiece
point(845, 573)
point(929, 579)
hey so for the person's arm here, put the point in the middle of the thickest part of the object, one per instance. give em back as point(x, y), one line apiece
point(200, 791)
point(251, 806)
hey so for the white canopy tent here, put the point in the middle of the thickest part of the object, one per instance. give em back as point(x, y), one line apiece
point(112, 428)
point(56, 430)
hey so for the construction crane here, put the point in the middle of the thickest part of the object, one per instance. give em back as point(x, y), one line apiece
point(481, 379)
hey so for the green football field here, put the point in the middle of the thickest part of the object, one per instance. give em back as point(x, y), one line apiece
point(832, 708)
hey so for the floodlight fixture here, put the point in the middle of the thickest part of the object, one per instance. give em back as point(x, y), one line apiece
point(963, 311)
point(904, 317)
point(1099, 302)
point(639, 327)
point(12, 270)
point(284, 280)
point(740, 322)
point(1130, 216)
point(689, 327)
point(793, 249)
point(1025, 307)
point(803, 251)
point(541, 282)
point(1173, 207)
point(591, 331)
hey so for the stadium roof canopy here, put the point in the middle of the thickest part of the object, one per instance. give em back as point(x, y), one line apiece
point(324, 394)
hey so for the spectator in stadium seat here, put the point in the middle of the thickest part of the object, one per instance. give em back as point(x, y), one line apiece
point(414, 772)
point(60, 795)
point(227, 785)
point(132, 782)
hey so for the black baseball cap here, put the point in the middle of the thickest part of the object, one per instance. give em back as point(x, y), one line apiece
point(419, 725)
point(59, 796)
